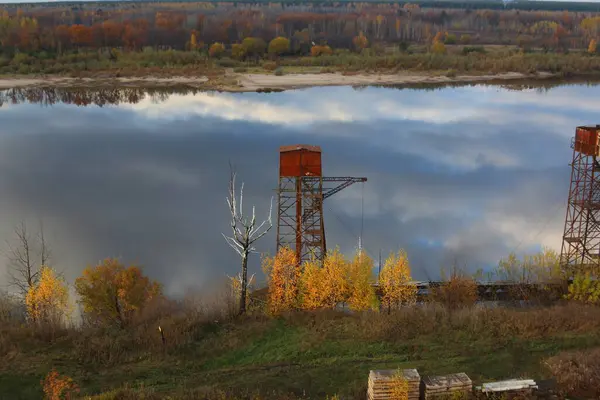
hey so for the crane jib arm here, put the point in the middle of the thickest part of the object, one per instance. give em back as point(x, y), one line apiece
point(344, 182)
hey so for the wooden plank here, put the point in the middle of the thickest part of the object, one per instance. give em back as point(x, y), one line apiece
point(447, 380)
point(388, 374)
point(511, 384)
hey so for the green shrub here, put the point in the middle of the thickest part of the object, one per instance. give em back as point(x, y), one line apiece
point(473, 49)
point(227, 63)
point(279, 71)
point(450, 38)
point(21, 59)
point(23, 69)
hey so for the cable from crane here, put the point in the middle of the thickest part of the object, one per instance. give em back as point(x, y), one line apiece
point(362, 210)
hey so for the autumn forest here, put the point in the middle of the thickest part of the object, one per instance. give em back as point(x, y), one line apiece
point(138, 38)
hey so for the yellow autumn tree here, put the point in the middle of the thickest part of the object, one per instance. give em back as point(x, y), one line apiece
point(193, 41)
point(216, 50)
point(112, 294)
point(396, 282)
point(238, 51)
point(584, 289)
point(48, 300)
point(438, 47)
point(593, 46)
point(361, 294)
point(282, 276)
point(536, 276)
point(313, 292)
point(325, 286)
point(335, 282)
point(279, 46)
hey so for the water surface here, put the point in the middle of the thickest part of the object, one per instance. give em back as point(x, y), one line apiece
point(462, 174)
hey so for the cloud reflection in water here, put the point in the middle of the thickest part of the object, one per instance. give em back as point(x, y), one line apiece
point(465, 174)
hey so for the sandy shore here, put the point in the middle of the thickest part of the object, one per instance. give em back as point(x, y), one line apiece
point(292, 81)
point(53, 81)
point(253, 82)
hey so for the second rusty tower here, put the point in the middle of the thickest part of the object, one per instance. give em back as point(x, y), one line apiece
point(301, 192)
point(581, 239)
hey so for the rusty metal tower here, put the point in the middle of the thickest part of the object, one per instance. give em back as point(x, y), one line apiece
point(301, 192)
point(581, 239)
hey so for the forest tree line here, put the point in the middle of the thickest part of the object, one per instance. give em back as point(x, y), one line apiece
point(196, 26)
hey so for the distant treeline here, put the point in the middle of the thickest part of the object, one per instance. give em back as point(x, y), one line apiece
point(474, 5)
point(59, 28)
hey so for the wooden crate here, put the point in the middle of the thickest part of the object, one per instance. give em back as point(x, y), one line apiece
point(441, 386)
point(380, 384)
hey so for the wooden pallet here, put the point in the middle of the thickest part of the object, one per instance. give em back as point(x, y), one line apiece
point(438, 386)
point(381, 384)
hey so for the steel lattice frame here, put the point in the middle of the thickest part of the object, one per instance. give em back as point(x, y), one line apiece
point(581, 239)
point(300, 223)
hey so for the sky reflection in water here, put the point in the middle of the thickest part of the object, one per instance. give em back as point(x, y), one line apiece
point(457, 174)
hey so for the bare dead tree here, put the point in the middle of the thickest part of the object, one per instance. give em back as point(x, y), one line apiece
point(245, 233)
point(26, 257)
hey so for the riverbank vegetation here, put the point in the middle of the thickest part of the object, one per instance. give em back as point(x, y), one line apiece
point(294, 341)
point(195, 39)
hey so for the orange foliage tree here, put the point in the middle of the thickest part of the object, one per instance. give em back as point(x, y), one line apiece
point(438, 46)
point(282, 277)
point(317, 51)
point(111, 293)
point(360, 42)
point(361, 294)
point(458, 290)
point(57, 387)
point(396, 282)
point(593, 46)
point(80, 35)
point(48, 300)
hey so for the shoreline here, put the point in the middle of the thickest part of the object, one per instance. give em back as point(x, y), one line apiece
point(232, 82)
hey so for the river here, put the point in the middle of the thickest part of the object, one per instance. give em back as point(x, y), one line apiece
point(455, 175)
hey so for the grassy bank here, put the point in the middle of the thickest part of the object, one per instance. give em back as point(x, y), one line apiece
point(295, 356)
point(460, 60)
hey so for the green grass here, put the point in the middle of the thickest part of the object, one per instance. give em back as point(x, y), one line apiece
point(312, 356)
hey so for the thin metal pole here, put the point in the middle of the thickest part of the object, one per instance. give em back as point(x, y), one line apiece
point(379, 269)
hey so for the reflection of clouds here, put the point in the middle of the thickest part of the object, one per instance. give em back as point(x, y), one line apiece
point(341, 104)
point(462, 174)
point(560, 98)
